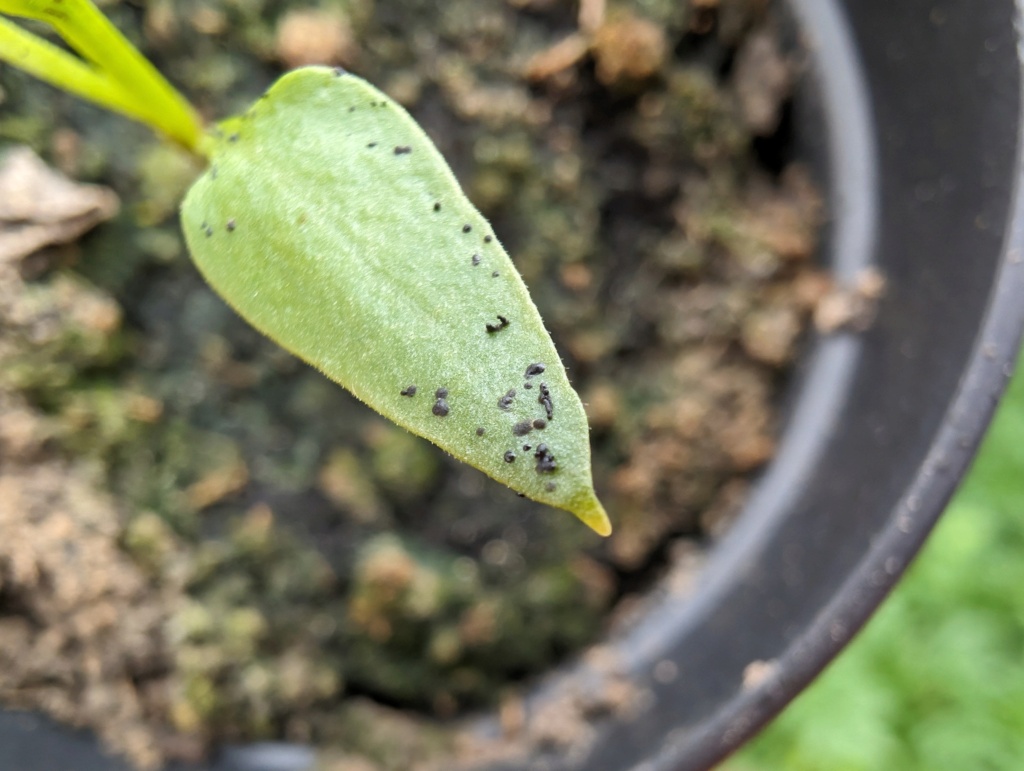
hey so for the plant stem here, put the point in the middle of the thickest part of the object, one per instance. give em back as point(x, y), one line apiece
point(113, 74)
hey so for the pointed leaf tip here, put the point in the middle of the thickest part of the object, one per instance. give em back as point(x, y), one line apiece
point(595, 517)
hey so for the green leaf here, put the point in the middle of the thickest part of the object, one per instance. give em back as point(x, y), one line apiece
point(331, 223)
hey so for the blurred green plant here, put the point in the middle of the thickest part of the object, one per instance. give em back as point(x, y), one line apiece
point(330, 222)
point(936, 680)
point(110, 72)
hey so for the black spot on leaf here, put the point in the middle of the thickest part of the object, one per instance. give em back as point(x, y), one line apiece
point(545, 460)
point(231, 226)
point(441, 408)
point(540, 424)
point(535, 369)
point(441, 393)
point(510, 457)
point(505, 402)
point(466, 228)
point(522, 428)
point(410, 391)
point(403, 150)
point(480, 431)
point(545, 400)
point(502, 323)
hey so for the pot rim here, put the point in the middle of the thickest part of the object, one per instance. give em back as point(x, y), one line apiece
point(990, 366)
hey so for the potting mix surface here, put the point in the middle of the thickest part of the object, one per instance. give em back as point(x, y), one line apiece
point(204, 540)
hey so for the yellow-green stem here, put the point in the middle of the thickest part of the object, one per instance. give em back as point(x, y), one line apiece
point(113, 74)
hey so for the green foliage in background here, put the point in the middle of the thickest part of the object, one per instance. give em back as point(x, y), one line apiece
point(936, 680)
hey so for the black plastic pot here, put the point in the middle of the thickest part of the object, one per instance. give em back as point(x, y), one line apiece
point(911, 113)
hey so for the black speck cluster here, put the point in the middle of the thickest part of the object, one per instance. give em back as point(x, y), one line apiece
point(545, 400)
point(505, 402)
point(545, 460)
point(502, 323)
point(441, 407)
point(522, 428)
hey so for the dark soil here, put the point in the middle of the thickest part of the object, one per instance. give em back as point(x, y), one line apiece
point(206, 540)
